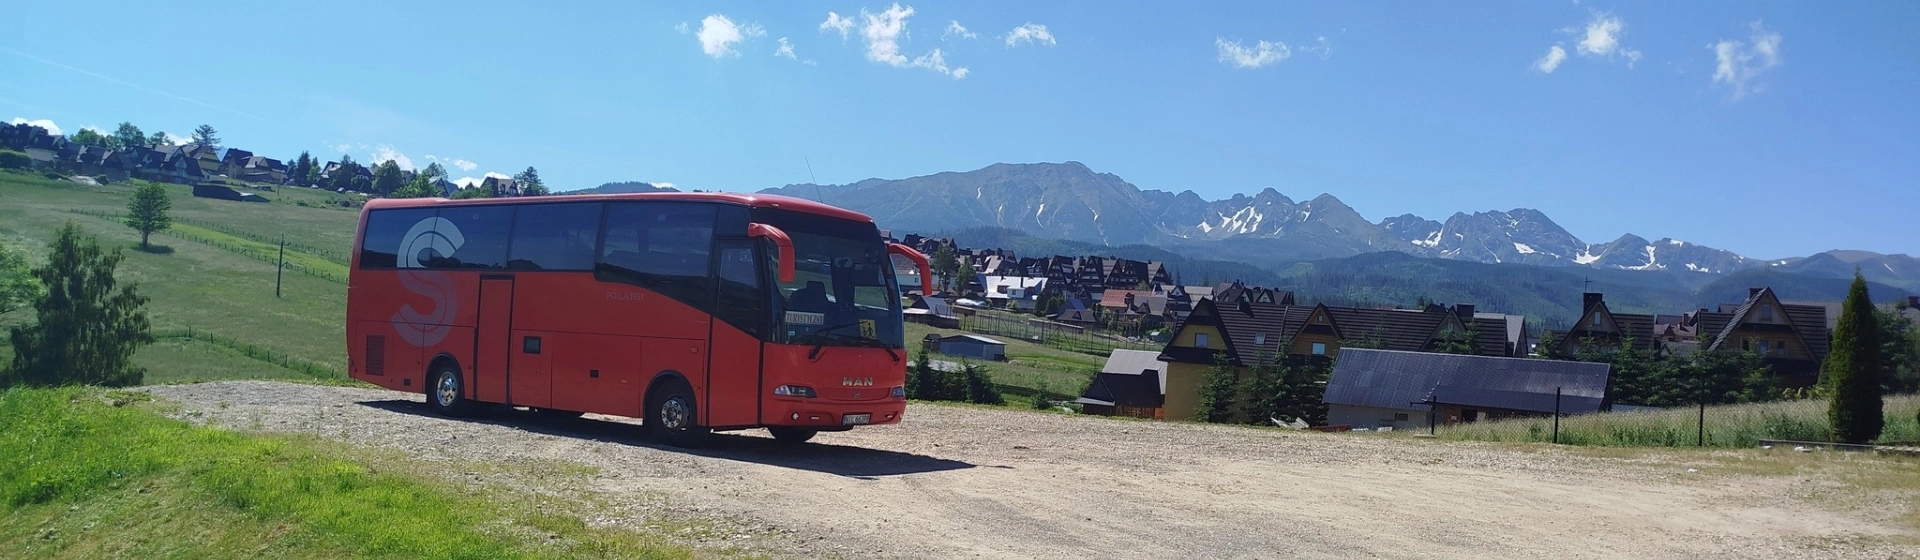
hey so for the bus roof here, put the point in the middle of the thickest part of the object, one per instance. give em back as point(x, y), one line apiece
point(751, 200)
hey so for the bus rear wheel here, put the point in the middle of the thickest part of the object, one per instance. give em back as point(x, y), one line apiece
point(445, 391)
point(673, 416)
point(786, 434)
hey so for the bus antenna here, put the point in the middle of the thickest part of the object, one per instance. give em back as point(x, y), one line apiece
point(817, 193)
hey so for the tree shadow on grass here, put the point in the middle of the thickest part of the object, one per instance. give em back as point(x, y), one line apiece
point(842, 460)
point(154, 249)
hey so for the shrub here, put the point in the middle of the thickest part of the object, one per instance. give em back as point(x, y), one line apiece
point(10, 159)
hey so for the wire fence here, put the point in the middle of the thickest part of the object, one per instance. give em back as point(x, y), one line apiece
point(334, 255)
point(250, 350)
point(269, 255)
point(1083, 340)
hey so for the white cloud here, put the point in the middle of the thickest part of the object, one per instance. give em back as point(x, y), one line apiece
point(1260, 54)
point(342, 148)
point(718, 35)
point(1320, 47)
point(1032, 33)
point(1602, 39)
point(1550, 62)
point(42, 123)
point(179, 139)
point(462, 164)
point(937, 61)
point(837, 23)
point(954, 29)
point(662, 184)
point(786, 49)
point(882, 33)
point(386, 153)
point(469, 182)
point(681, 28)
point(1739, 62)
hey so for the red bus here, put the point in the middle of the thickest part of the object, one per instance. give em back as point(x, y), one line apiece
point(693, 312)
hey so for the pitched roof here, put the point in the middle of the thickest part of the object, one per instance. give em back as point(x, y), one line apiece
point(1132, 362)
point(1125, 390)
point(1395, 380)
point(1397, 329)
point(971, 338)
point(1808, 321)
point(1255, 330)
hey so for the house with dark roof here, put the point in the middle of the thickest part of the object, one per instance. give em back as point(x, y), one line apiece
point(1600, 327)
point(1404, 390)
point(967, 345)
point(500, 186)
point(1244, 334)
point(931, 311)
point(1792, 339)
point(1132, 383)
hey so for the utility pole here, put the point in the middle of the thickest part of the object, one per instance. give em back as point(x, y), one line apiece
point(281, 270)
point(1556, 415)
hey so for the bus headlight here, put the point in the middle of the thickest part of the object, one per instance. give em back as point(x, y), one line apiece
point(793, 391)
point(899, 392)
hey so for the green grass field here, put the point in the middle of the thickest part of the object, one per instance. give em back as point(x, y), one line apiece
point(1740, 425)
point(87, 473)
point(195, 285)
point(1028, 365)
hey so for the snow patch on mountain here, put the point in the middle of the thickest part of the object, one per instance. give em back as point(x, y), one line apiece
point(1523, 248)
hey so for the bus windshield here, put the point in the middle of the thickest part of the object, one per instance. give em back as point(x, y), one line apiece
point(843, 291)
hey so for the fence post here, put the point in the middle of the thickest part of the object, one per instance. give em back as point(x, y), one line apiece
point(281, 268)
point(1556, 415)
point(1702, 434)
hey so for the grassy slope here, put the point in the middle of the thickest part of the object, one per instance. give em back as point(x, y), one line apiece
point(90, 474)
point(197, 285)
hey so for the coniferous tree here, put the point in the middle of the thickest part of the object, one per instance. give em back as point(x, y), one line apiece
point(980, 389)
point(87, 327)
point(1217, 391)
point(205, 136)
point(944, 264)
point(1852, 370)
point(530, 183)
point(147, 212)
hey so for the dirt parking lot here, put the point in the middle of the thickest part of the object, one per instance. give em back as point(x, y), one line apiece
point(969, 482)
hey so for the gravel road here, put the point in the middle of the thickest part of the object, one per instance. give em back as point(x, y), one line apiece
point(967, 482)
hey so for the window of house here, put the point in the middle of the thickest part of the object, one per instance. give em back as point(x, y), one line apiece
point(1746, 344)
point(1260, 338)
point(1399, 416)
point(1766, 313)
point(1319, 348)
point(1199, 340)
point(1765, 347)
point(1596, 320)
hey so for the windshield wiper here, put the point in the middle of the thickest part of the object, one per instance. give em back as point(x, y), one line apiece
point(875, 343)
point(821, 335)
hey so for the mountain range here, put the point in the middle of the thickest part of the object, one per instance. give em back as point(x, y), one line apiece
point(1069, 201)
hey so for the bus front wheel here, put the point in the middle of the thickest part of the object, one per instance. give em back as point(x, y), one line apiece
point(673, 415)
point(786, 434)
point(444, 391)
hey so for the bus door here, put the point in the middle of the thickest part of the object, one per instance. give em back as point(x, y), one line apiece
point(740, 313)
point(491, 339)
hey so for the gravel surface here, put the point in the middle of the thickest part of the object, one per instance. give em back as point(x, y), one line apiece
point(970, 482)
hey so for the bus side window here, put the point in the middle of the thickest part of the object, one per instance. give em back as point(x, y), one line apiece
point(661, 246)
point(554, 236)
point(740, 303)
point(483, 234)
point(387, 235)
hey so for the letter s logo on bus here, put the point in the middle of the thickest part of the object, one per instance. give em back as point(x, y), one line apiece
point(442, 237)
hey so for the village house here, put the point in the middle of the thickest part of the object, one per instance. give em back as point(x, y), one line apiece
point(1792, 339)
point(1017, 293)
point(967, 346)
point(1132, 383)
point(1253, 330)
point(1406, 390)
point(1599, 327)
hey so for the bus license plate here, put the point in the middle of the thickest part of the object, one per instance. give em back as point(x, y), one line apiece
point(856, 419)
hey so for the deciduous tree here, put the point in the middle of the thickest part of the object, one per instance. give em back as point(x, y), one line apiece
point(388, 178)
point(1852, 371)
point(17, 285)
point(529, 182)
point(147, 211)
point(129, 136)
point(91, 137)
point(87, 327)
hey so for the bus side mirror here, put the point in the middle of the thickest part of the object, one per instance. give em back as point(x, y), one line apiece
point(919, 261)
point(780, 240)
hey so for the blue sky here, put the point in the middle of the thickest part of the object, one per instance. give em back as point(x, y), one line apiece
point(1771, 129)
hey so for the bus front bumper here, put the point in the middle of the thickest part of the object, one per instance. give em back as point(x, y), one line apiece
point(828, 415)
